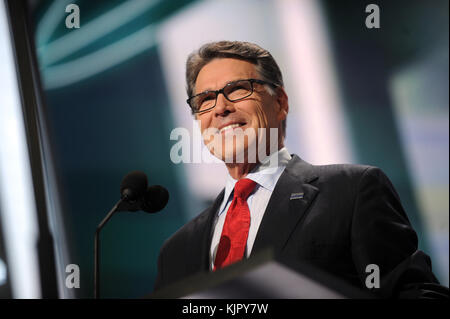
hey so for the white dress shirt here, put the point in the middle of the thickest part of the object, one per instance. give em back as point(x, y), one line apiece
point(266, 176)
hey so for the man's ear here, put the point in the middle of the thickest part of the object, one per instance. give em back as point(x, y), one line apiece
point(282, 101)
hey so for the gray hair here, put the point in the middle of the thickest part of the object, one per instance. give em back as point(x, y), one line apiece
point(265, 64)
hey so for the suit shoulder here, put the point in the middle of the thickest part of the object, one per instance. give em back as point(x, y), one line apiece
point(345, 171)
point(336, 174)
point(351, 176)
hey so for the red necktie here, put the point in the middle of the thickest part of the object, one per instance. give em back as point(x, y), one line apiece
point(237, 223)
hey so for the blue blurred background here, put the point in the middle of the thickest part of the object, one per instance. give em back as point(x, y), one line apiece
point(114, 89)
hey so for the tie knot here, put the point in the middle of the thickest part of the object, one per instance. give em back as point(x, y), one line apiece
point(243, 188)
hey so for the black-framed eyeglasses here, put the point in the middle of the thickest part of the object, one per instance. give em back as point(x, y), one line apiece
point(233, 91)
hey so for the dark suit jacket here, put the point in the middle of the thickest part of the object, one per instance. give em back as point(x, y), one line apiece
point(350, 216)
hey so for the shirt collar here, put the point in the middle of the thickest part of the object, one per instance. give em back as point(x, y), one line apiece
point(265, 175)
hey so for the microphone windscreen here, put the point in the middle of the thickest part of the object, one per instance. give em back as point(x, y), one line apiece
point(155, 199)
point(133, 185)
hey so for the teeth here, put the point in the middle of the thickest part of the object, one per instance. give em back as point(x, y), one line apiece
point(231, 126)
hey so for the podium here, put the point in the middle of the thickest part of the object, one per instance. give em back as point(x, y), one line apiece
point(262, 277)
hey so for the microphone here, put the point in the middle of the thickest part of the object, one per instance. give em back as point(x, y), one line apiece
point(132, 189)
point(134, 196)
point(154, 199)
point(133, 186)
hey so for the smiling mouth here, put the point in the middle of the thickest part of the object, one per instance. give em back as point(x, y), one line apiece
point(231, 127)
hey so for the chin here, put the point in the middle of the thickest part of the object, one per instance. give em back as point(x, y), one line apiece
point(231, 150)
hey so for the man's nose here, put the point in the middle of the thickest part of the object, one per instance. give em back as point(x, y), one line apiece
point(223, 106)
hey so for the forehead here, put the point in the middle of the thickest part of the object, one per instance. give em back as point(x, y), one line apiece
point(217, 73)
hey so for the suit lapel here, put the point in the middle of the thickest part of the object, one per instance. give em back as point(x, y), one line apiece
point(201, 236)
point(292, 196)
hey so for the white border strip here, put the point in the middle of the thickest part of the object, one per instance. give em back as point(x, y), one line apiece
point(17, 205)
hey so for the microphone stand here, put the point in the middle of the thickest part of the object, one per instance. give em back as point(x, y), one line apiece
point(97, 249)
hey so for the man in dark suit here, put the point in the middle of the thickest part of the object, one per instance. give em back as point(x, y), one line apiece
point(338, 218)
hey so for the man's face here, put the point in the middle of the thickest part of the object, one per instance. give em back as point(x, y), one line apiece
point(259, 110)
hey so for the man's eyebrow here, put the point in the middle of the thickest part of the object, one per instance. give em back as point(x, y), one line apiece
point(210, 89)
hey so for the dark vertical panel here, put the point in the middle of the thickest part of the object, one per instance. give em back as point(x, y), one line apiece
point(365, 60)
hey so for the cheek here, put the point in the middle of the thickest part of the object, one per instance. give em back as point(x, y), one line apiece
point(203, 122)
point(260, 117)
point(206, 130)
point(268, 108)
